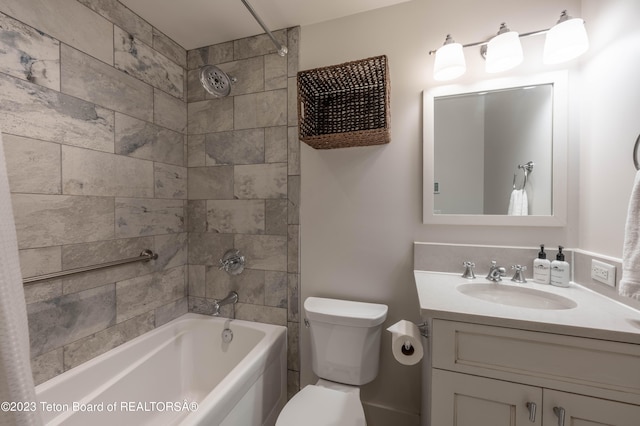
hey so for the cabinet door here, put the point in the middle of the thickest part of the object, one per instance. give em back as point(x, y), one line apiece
point(465, 400)
point(582, 410)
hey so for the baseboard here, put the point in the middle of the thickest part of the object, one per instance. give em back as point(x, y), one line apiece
point(379, 415)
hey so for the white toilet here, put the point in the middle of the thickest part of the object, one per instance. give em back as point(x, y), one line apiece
point(345, 351)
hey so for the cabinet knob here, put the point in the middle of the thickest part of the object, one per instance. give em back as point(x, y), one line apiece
point(532, 411)
point(559, 412)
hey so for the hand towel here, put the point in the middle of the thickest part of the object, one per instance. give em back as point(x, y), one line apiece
point(518, 203)
point(630, 282)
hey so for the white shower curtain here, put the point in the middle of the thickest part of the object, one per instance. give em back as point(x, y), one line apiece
point(16, 381)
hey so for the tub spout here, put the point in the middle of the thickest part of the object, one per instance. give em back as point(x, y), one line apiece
point(232, 297)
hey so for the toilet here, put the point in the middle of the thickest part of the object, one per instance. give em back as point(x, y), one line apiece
point(345, 354)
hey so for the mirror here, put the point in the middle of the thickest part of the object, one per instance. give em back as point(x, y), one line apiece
point(481, 140)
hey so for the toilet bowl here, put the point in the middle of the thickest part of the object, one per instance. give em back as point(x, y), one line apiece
point(345, 353)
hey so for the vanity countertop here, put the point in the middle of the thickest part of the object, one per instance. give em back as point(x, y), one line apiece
point(595, 316)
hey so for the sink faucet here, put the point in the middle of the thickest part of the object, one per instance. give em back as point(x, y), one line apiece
point(496, 272)
point(232, 297)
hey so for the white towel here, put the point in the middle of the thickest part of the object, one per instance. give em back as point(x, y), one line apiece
point(630, 282)
point(518, 203)
point(16, 381)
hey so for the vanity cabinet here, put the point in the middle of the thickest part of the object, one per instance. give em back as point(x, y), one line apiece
point(494, 376)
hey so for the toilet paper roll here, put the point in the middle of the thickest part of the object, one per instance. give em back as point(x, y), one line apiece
point(406, 342)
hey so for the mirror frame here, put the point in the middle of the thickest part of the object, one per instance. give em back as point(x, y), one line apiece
point(560, 118)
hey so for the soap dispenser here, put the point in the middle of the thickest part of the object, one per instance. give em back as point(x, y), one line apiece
point(542, 267)
point(560, 270)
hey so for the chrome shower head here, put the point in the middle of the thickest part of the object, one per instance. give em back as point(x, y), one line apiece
point(216, 81)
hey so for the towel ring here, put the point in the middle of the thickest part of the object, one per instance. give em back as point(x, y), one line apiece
point(635, 154)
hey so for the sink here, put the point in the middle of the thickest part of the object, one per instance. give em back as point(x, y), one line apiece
point(516, 296)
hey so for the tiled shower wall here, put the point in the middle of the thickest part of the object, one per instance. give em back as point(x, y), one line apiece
point(244, 183)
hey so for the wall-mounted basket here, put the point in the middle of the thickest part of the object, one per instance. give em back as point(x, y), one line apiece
point(345, 105)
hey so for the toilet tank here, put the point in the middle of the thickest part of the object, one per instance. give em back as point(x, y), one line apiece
point(345, 339)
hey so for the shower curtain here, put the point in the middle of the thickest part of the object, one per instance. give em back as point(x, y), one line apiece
point(16, 381)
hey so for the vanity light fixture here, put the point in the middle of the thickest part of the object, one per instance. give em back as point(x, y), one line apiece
point(564, 41)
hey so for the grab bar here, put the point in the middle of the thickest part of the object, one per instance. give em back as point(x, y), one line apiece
point(145, 256)
point(635, 154)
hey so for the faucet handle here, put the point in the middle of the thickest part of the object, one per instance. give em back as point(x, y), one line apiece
point(518, 276)
point(468, 270)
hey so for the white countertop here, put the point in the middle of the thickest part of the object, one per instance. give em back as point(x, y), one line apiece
point(595, 316)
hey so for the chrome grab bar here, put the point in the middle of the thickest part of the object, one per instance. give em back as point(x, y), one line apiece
point(145, 256)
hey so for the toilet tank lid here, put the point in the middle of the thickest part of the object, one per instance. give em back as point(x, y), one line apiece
point(345, 312)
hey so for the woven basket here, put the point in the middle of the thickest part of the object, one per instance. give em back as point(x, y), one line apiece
point(345, 105)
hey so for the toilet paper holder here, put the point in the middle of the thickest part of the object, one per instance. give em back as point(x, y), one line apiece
point(424, 329)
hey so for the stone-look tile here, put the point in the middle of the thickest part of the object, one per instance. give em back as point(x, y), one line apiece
point(169, 112)
point(197, 216)
point(293, 351)
point(67, 318)
point(293, 190)
point(250, 285)
point(294, 151)
point(275, 144)
point(195, 151)
point(276, 217)
point(37, 112)
point(292, 102)
point(195, 90)
point(40, 261)
point(90, 347)
point(293, 43)
point(293, 383)
point(293, 302)
point(263, 109)
point(210, 116)
point(50, 220)
point(141, 61)
point(139, 217)
point(92, 80)
point(207, 248)
point(32, 166)
point(275, 72)
point(200, 305)
point(170, 181)
point(147, 141)
point(120, 15)
point(197, 280)
point(293, 249)
point(89, 32)
point(207, 183)
point(236, 216)
point(236, 147)
point(261, 313)
point(260, 181)
point(268, 252)
point(171, 311)
point(171, 249)
point(46, 366)
point(39, 292)
point(257, 45)
point(88, 172)
point(275, 289)
point(29, 54)
point(250, 75)
point(169, 48)
point(216, 54)
point(141, 294)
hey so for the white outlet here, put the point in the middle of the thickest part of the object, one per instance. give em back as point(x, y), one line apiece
point(603, 272)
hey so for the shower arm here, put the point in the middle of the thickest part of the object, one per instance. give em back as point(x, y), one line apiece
point(282, 50)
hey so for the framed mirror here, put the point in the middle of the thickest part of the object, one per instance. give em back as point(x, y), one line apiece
point(495, 152)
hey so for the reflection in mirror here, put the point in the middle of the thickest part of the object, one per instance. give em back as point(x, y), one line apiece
point(477, 141)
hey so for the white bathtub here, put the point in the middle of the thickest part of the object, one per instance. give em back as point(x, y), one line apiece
point(156, 378)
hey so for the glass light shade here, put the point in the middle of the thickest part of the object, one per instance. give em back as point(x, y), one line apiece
point(565, 41)
point(504, 52)
point(449, 63)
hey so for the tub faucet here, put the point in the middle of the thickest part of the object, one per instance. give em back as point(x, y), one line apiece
point(232, 297)
point(496, 272)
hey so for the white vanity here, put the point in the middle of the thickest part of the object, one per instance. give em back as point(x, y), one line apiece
point(527, 354)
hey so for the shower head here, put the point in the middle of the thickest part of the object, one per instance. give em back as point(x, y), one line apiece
point(216, 81)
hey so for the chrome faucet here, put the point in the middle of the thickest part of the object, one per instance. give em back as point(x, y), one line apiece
point(232, 297)
point(496, 272)
point(468, 270)
point(518, 276)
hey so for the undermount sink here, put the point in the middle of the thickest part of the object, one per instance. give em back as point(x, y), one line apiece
point(516, 296)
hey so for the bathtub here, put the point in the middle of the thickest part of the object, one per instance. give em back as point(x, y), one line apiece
point(181, 373)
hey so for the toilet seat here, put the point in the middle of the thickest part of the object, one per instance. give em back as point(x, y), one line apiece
point(319, 406)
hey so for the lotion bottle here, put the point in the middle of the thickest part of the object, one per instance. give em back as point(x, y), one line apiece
point(542, 267)
point(560, 270)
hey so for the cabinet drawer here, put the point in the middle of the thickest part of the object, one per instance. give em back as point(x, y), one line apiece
point(543, 359)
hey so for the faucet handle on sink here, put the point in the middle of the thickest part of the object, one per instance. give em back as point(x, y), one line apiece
point(518, 276)
point(468, 270)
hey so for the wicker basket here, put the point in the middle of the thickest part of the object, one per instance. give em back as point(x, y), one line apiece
point(345, 105)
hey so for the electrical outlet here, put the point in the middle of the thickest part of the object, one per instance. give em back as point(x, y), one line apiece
point(603, 272)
